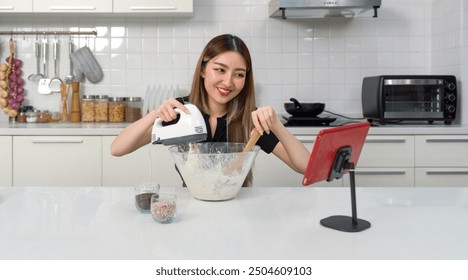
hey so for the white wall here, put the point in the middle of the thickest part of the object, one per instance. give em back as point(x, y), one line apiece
point(319, 60)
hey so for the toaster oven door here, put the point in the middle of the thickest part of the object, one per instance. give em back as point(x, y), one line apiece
point(414, 98)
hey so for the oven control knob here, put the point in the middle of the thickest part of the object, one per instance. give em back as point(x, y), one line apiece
point(451, 86)
point(451, 97)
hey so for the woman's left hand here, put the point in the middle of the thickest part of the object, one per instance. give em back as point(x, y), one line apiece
point(264, 119)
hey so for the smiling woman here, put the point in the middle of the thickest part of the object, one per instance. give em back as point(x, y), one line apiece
point(223, 90)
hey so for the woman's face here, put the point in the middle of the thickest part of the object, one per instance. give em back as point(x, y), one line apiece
point(224, 78)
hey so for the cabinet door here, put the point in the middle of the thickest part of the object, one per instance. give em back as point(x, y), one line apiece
point(149, 163)
point(387, 151)
point(442, 151)
point(383, 177)
point(67, 6)
point(7, 160)
point(16, 6)
point(57, 161)
point(441, 177)
point(270, 171)
point(170, 7)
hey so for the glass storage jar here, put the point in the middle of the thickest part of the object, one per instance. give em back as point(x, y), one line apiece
point(87, 108)
point(133, 109)
point(101, 108)
point(32, 116)
point(116, 109)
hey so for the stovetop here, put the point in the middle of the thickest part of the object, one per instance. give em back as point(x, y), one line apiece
point(308, 121)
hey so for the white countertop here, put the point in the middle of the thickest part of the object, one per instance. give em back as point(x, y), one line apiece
point(65, 129)
point(261, 223)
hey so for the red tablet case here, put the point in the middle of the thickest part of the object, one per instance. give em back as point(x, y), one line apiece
point(327, 143)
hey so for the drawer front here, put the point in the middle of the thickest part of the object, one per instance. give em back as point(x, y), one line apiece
point(64, 6)
point(57, 161)
point(387, 151)
point(383, 177)
point(7, 161)
point(441, 177)
point(154, 6)
point(442, 151)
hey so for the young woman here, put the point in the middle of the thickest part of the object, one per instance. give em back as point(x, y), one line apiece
point(223, 90)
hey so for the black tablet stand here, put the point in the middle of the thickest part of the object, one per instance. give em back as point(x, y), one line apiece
point(345, 223)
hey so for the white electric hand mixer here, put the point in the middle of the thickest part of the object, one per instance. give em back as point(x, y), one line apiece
point(187, 128)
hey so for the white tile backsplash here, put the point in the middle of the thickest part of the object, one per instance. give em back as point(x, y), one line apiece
point(313, 60)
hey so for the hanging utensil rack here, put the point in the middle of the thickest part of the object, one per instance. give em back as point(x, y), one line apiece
point(48, 33)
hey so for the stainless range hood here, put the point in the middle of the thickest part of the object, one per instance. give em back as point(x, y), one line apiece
point(323, 8)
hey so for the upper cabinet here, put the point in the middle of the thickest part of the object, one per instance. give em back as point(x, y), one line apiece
point(67, 6)
point(16, 6)
point(114, 7)
point(170, 7)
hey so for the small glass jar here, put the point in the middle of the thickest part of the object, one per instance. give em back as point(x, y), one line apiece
point(43, 116)
point(143, 194)
point(133, 109)
point(116, 109)
point(164, 207)
point(88, 108)
point(23, 114)
point(32, 116)
point(101, 108)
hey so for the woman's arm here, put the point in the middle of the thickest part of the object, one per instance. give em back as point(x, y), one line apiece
point(289, 149)
point(138, 134)
point(134, 136)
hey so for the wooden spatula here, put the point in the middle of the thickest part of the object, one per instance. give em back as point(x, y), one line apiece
point(254, 136)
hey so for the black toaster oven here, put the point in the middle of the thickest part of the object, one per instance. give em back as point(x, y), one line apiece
point(396, 98)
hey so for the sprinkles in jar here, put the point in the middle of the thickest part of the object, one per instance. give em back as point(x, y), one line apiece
point(163, 208)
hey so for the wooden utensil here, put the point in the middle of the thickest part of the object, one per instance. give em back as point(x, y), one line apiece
point(254, 136)
point(75, 115)
point(64, 88)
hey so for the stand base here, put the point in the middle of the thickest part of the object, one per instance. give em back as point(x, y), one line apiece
point(345, 223)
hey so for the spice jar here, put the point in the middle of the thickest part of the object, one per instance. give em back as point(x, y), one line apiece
point(116, 109)
point(88, 108)
point(133, 109)
point(32, 116)
point(23, 113)
point(43, 116)
point(101, 108)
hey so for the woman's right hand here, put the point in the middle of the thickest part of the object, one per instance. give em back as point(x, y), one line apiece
point(166, 111)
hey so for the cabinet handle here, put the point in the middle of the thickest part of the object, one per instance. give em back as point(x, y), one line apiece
point(448, 172)
point(386, 140)
point(56, 141)
point(380, 172)
point(149, 8)
point(59, 8)
point(4, 8)
point(438, 140)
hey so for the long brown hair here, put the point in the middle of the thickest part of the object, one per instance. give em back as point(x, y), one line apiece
point(239, 119)
point(239, 108)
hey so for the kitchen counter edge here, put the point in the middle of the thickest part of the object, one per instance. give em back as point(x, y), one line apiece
point(113, 129)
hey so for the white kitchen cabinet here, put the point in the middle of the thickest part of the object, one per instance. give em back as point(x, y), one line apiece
point(441, 176)
point(386, 161)
point(170, 7)
point(441, 160)
point(57, 161)
point(6, 168)
point(152, 162)
point(442, 151)
point(16, 6)
point(67, 6)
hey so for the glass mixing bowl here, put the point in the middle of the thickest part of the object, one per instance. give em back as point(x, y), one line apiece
point(213, 171)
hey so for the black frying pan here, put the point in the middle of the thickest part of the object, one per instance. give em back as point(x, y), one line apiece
point(303, 109)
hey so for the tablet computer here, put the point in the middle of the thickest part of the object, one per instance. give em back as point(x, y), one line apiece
point(328, 142)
